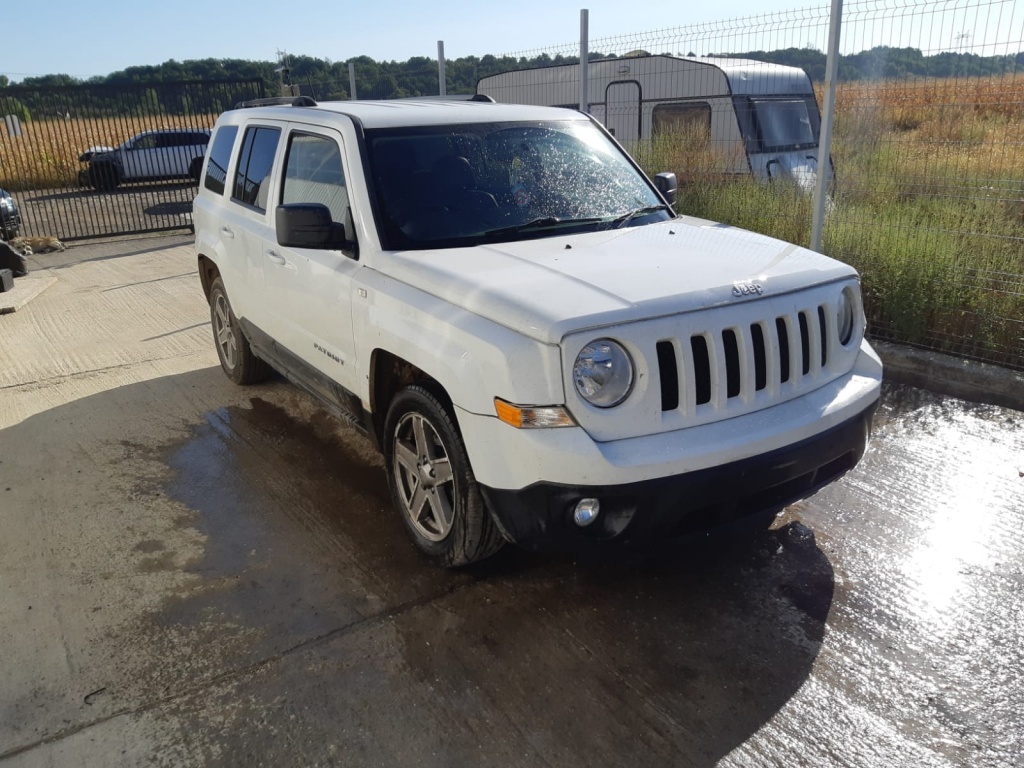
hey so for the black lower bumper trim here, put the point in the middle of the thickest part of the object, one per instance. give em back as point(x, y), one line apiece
point(539, 517)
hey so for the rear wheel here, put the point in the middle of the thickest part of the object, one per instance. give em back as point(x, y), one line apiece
point(236, 356)
point(432, 483)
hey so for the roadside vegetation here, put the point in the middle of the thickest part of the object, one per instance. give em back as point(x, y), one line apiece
point(928, 201)
point(928, 205)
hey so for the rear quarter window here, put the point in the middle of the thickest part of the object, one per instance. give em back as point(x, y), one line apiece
point(220, 155)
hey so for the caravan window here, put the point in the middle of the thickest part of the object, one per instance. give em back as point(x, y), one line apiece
point(692, 119)
point(783, 124)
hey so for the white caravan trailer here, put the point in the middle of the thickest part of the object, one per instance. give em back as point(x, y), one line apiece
point(763, 116)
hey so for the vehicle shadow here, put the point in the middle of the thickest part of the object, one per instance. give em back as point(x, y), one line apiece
point(676, 657)
point(266, 564)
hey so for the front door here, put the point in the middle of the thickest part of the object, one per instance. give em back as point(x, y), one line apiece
point(142, 157)
point(309, 289)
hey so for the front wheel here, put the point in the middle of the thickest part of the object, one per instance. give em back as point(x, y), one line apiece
point(431, 481)
point(236, 356)
point(104, 177)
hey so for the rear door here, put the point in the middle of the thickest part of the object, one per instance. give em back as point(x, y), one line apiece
point(175, 153)
point(246, 222)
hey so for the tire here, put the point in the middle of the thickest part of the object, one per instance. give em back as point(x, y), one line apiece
point(237, 359)
point(104, 177)
point(432, 483)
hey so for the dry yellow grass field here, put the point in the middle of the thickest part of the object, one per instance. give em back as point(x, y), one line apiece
point(46, 154)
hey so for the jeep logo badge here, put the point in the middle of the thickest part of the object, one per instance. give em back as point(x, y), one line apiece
point(746, 289)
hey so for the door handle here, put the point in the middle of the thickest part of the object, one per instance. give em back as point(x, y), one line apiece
point(227, 233)
point(277, 258)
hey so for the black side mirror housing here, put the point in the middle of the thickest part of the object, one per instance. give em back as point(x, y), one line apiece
point(665, 182)
point(309, 225)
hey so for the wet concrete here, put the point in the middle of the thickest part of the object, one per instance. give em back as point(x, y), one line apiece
point(551, 661)
point(193, 573)
point(877, 624)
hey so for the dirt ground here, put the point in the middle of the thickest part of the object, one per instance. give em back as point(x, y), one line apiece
point(198, 574)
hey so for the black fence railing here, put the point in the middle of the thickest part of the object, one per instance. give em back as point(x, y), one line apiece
point(140, 144)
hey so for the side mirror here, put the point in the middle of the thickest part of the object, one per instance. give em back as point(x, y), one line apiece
point(309, 225)
point(665, 183)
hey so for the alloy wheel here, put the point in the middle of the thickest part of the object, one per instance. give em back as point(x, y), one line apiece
point(423, 471)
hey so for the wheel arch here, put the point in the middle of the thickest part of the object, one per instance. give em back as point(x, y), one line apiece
point(389, 375)
point(208, 272)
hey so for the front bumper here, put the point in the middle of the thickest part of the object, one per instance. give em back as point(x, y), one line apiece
point(10, 218)
point(539, 517)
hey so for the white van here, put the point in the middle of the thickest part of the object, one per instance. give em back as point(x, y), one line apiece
point(761, 118)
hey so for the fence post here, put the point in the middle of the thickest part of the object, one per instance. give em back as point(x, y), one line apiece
point(352, 81)
point(584, 60)
point(442, 81)
point(825, 136)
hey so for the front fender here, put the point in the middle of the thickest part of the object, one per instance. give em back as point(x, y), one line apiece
point(473, 358)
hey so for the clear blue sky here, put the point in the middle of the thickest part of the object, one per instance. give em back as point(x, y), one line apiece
point(60, 36)
point(85, 39)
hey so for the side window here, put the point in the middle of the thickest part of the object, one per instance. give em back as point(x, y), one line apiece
point(313, 174)
point(692, 119)
point(220, 154)
point(145, 142)
point(164, 140)
point(254, 163)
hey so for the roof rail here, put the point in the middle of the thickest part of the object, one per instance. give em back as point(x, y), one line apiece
point(482, 97)
point(278, 101)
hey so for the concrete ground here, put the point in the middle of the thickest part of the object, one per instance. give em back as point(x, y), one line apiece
point(194, 573)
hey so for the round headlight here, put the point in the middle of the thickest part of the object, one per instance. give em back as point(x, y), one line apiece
point(603, 373)
point(845, 315)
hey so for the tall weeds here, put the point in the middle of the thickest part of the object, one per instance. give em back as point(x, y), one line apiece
point(928, 205)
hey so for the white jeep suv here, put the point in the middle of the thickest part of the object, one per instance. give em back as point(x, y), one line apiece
point(545, 353)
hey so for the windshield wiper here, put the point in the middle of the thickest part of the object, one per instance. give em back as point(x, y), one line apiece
point(541, 222)
point(625, 218)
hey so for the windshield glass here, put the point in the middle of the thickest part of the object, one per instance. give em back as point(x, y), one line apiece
point(454, 185)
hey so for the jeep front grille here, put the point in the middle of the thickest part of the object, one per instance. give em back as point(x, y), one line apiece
point(714, 367)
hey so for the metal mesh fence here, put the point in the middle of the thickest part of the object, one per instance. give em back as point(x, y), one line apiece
point(927, 197)
point(147, 185)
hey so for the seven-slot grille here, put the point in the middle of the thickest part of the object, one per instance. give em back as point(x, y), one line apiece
point(771, 356)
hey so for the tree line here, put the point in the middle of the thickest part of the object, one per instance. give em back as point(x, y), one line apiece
point(324, 79)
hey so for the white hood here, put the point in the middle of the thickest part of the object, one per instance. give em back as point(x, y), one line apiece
point(549, 287)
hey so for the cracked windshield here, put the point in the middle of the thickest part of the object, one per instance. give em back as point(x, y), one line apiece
point(444, 186)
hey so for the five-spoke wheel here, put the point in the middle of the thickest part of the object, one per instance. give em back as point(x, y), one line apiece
point(236, 357)
point(431, 480)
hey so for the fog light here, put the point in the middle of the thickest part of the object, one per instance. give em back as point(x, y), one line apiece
point(586, 512)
